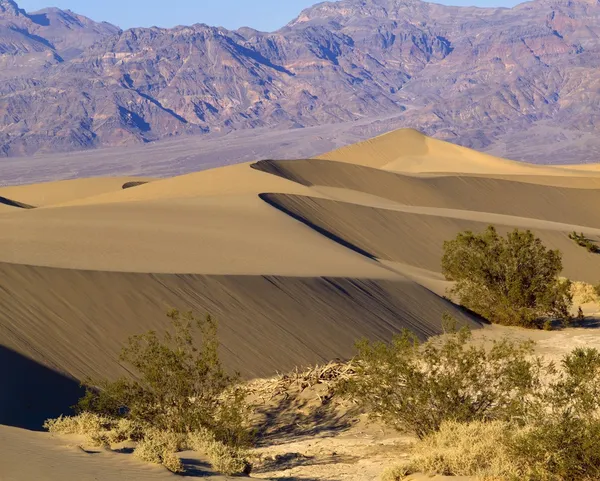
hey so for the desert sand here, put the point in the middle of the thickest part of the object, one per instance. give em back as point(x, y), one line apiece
point(296, 259)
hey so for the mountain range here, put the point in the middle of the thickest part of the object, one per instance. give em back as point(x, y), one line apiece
point(521, 82)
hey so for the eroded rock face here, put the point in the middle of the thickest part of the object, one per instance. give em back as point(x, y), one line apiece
point(482, 77)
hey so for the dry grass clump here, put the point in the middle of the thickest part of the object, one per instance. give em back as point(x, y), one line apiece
point(397, 473)
point(583, 293)
point(153, 445)
point(479, 449)
point(98, 430)
point(160, 447)
point(228, 460)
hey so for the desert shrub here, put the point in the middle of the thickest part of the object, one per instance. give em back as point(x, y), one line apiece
point(179, 395)
point(550, 449)
point(512, 280)
point(558, 449)
point(557, 441)
point(178, 387)
point(417, 386)
point(575, 389)
point(581, 240)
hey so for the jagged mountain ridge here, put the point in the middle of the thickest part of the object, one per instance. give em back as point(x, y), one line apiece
point(489, 78)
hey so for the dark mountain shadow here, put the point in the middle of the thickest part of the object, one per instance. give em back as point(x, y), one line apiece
point(30, 393)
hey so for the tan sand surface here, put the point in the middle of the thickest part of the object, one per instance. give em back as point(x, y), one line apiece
point(207, 235)
point(49, 193)
point(407, 150)
point(28, 456)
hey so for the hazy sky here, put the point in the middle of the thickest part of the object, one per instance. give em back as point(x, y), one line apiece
point(260, 14)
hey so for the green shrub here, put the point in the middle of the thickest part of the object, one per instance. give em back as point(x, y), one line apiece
point(180, 395)
point(512, 280)
point(178, 387)
point(558, 449)
point(418, 387)
point(583, 241)
point(556, 440)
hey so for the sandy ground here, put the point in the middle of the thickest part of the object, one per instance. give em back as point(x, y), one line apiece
point(296, 259)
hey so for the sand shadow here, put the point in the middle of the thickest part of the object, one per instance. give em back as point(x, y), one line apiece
point(194, 468)
point(15, 203)
point(272, 200)
point(30, 393)
point(287, 461)
point(285, 421)
point(590, 322)
point(129, 185)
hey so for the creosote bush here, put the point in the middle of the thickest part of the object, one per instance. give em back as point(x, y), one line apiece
point(416, 387)
point(180, 393)
point(511, 281)
point(555, 438)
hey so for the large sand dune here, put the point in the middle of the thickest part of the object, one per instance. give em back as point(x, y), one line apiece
point(296, 259)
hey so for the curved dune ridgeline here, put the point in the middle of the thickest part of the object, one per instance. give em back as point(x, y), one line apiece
point(296, 258)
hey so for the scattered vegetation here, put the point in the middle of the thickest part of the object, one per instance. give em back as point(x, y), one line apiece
point(581, 240)
point(518, 428)
point(180, 396)
point(416, 387)
point(512, 280)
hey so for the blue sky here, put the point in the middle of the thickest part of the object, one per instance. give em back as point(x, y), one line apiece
point(260, 14)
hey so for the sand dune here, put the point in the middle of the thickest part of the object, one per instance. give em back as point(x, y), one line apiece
point(296, 259)
point(416, 238)
point(483, 194)
point(49, 193)
point(407, 150)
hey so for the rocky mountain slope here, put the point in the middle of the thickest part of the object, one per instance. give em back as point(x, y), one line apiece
point(511, 81)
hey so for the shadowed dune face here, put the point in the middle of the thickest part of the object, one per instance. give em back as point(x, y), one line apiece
point(509, 197)
point(296, 259)
point(14, 203)
point(415, 237)
point(79, 319)
point(30, 392)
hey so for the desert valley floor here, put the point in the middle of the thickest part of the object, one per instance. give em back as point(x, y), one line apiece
point(296, 259)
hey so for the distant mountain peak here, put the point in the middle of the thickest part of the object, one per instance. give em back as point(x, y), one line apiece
point(10, 7)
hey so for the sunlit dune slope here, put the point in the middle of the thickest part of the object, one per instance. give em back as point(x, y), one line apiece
point(407, 150)
point(49, 193)
point(235, 180)
point(205, 235)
